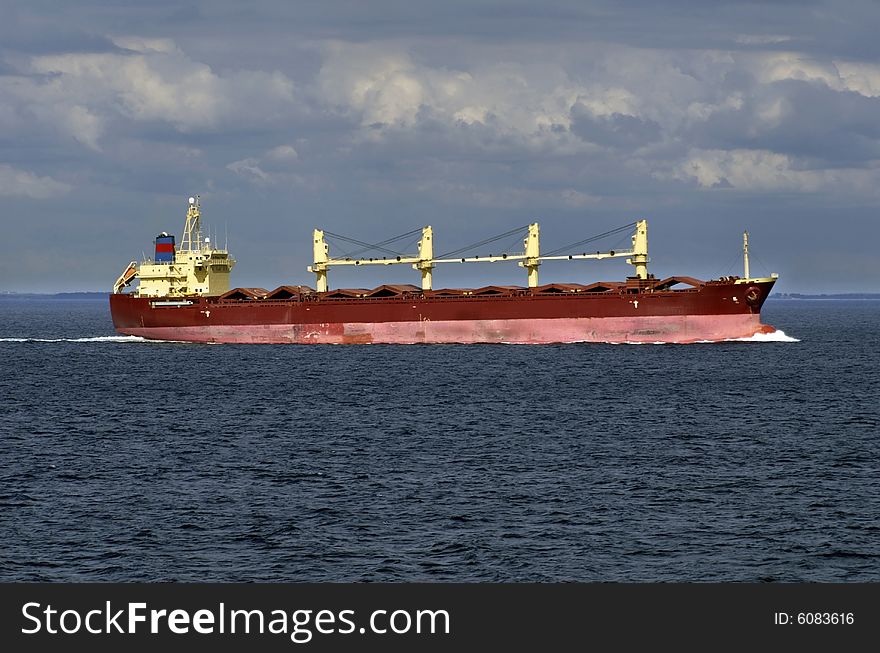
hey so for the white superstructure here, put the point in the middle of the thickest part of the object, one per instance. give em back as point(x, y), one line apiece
point(196, 268)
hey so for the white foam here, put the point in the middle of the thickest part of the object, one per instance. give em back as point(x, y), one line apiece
point(91, 339)
point(774, 336)
point(109, 339)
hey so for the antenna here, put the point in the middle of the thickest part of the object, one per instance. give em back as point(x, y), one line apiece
point(192, 232)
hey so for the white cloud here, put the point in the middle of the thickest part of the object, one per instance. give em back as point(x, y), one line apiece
point(471, 115)
point(385, 86)
point(858, 77)
point(863, 78)
point(270, 168)
point(82, 93)
point(531, 97)
point(634, 109)
point(467, 193)
point(283, 153)
point(83, 125)
point(382, 86)
point(762, 39)
point(666, 114)
point(780, 66)
point(766, 171)
point(22, 183)
point(163, 87)
point(609, 101)
point(143, 44)
point(249, 169)
point(701, 111)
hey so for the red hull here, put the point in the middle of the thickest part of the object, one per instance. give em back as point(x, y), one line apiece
point(717, 310)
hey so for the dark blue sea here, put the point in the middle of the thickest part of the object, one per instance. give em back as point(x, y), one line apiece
point(129, 460)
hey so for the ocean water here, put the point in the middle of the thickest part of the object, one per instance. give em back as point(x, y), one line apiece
point(128, 460)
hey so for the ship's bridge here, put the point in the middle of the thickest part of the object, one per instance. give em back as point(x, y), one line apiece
point(195, 268)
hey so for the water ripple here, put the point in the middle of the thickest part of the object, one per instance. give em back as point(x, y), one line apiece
point(582, 462)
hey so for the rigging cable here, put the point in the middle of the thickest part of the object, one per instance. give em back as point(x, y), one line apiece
point(368, 246)
point(591, 239)
point(506, 234)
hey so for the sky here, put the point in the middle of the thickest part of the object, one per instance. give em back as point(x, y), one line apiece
point(370, 119)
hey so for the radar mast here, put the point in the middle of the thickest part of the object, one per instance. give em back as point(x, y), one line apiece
point(192, 232)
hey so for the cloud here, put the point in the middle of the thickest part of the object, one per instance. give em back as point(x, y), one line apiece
point(83, 95)
point(270, 168)
point(637, 109)
point(141, 87)
point(380, 86)
point(761, 39)
point(860, 77)
point(523, 104)
point(82, 124)
point(614, 129)
point(839, 75)
point(762, 170)
point(794, 117)
point(283, 153)
point(164, 86)
point(22, 183)
point(456, 112)
point(249, 169)
point(619, 94)
point(768, 121)
point(464, 193)
point(143, 44)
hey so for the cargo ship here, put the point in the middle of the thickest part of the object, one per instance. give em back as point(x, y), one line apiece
point(184, 294)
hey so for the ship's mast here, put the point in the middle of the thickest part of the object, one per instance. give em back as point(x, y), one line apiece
point(530, 259)
point(192, 231)
point(746, 254)
point(425, 264)
point(640, 249)
point(532, 254)
point(319, 267)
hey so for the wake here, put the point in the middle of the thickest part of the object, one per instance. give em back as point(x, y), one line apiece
point(778, 335)
point(774, 336)
point(90, 339)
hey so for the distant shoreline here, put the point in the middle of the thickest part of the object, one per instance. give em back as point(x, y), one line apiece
point(848, 295)
point(61, 296)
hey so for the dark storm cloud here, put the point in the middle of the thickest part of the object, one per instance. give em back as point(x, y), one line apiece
point(842, 28)
point(377, 117)
point(836, 127)
point(615, 130)
point(25, 29)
